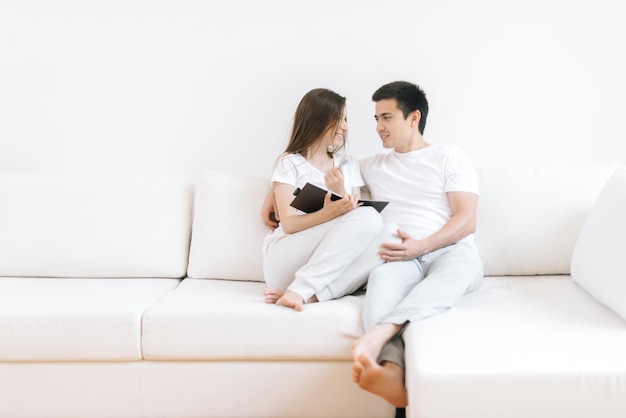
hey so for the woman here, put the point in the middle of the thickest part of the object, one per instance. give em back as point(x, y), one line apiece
point(329, 253)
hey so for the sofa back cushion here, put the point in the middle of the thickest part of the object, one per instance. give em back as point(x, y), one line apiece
point(599, 258)
point(529, 218)
point(62, 225)
point(228, 230)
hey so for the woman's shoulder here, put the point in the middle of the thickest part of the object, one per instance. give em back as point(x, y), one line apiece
point(291, 157)
point(288, 162)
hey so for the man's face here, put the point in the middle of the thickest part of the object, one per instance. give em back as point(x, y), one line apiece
point(394, 130)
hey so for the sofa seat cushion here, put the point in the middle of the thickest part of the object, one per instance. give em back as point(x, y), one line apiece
point(522, 347)
point(206, 319)
point(78, 319)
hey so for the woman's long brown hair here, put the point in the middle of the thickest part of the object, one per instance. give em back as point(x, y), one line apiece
point(319, 111)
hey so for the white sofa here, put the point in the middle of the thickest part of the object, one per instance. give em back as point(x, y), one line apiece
point(141, 296)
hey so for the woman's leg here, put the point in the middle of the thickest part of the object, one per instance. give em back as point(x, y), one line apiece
point(288, 253)
point(343, 244)
point(311, 260)
point(356, 274)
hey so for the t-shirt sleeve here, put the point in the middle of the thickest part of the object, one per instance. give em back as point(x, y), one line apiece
point(354, 174)
point(285, 171)
point(365, 164)
point(461, 175)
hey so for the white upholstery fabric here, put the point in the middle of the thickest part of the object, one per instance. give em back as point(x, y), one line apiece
point(166, 389)
point(254, 389)
point(48, 319)
point(599, 259)
point(529, 218)
point(217, 319)
point(537, 347)
point(228, 230)
point(71, 390)
point(94, 226)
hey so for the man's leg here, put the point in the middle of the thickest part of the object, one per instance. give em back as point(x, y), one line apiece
point(387, 287)
point(384, 379)
point(450, 273)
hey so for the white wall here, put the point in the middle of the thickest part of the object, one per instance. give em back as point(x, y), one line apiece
point(183, 87)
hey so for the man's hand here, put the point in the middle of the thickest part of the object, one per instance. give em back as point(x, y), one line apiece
point(408, 249)
point(269, 212)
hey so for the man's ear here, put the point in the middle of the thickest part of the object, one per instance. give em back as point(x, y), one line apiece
point(415, 116)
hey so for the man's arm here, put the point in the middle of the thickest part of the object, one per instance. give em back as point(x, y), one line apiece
point(268, 211)
point(464, 207)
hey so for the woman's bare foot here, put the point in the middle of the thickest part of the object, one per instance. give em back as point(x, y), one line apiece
point(291, 300)
point(385, 380)
point(272, 295)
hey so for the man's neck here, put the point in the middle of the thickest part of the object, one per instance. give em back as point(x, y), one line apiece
point(415, 143)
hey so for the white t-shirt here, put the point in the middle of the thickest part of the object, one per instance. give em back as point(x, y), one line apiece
point(416, 184)
point(295, 170)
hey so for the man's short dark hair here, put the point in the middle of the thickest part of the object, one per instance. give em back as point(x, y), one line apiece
point(409, 96)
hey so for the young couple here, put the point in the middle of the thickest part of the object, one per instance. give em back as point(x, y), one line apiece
point(417, 257)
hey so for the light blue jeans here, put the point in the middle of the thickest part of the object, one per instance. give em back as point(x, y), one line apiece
point(406, 291)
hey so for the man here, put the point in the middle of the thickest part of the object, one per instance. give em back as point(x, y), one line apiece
point(433, 195)
point(433, 190)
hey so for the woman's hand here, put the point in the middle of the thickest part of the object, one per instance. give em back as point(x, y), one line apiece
point(334, 208)
point(334, 181)
point(293, 222)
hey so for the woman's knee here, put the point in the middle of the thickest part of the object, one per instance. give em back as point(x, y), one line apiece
point(367, 218)
point(389, 233)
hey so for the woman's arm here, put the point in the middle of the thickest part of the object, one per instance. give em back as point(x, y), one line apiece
point(293, 222)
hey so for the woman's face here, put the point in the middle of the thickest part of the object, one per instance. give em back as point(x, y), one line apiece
point(337, 133)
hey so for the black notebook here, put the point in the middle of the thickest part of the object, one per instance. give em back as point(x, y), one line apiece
point(311, 199)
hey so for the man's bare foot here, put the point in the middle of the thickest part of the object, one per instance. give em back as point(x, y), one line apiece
point(372, 343)
point(272, 295)
point(385, 380)
point(291, 300)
